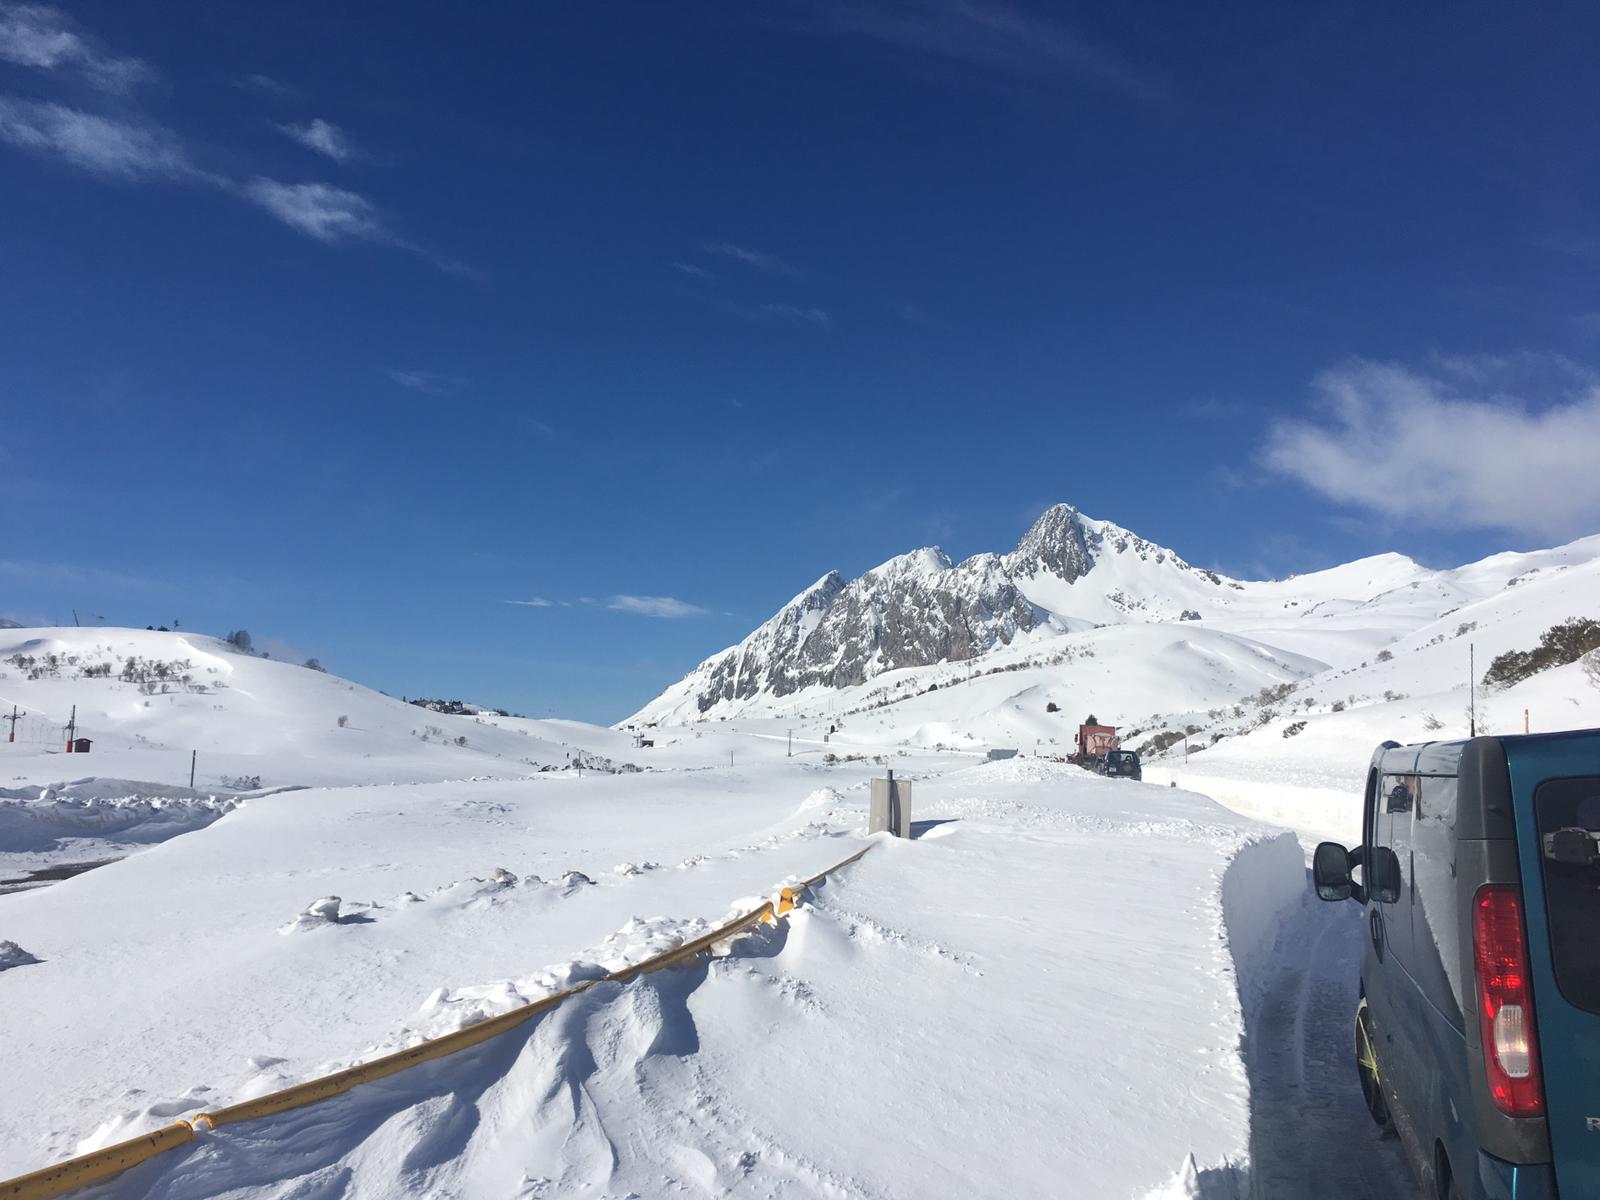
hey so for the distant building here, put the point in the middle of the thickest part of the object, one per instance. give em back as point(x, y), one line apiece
point(997, 755)
point(79, 745)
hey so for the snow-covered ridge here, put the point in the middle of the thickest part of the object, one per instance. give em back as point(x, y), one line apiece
point(1068, 577)
point(915, 609)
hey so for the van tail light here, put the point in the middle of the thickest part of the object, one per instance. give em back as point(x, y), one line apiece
point(1505, 1001)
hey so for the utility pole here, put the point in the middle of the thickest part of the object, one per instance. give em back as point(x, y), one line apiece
point(13, 718)
point(193, 754)
point(791, 744)
point(1472, 689)
point(72, 728)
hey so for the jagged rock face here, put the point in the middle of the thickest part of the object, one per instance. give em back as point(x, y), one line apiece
point(913, 611)
point(1057, 543)
point(747, 668)
point(1066, 543)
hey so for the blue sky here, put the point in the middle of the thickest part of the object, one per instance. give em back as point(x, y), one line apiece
point(350, 324)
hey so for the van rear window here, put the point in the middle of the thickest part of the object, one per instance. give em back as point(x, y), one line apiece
point(1568, 812)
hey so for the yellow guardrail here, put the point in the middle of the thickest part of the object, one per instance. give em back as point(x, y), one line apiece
point(100, 1165)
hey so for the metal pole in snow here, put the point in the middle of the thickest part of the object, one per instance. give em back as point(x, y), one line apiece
point(193, 754)
point(1524, 720)
point(791, 744)
point(1472, 688)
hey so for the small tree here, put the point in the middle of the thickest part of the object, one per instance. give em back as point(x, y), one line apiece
point(313, 664)
point(1563, 643)
point(1385, 655)
point(1052, 707)
point(343, 721)
point(239, 639)
point(1591, 667)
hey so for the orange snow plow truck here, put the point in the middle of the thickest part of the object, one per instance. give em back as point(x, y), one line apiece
point(1094, 742)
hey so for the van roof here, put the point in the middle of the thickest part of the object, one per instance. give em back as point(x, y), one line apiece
point(1484, 799)
point(1422, 758)
point(1444, 758)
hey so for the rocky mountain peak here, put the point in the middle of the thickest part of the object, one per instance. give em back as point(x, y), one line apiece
point(929, 560)
point(1058, 542)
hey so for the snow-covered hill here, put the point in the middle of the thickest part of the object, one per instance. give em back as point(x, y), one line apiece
point(147, 699)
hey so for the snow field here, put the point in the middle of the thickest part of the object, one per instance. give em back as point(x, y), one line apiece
point(1041, 994)
point(193, 927)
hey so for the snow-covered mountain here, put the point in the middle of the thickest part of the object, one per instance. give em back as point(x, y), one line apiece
point(1168, 636)
point(920, 608)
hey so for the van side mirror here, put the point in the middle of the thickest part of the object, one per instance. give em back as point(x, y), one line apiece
point(1330, 872)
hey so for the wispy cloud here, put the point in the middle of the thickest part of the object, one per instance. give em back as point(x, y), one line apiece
point(790, 314)
point(1469, 453)
point(323, 137)
point(124, 145)
point(46, 39)
point(794, 312)
point(266, 85)
point(132, 152)
point(985, 34)
point(694, 271)
point(102, 145)
point(320, 210)
point(666, 607)
point(1518, 370)
point(429, 383)
point(759, 259)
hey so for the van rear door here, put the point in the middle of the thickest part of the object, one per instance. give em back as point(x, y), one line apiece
point(1561, 886)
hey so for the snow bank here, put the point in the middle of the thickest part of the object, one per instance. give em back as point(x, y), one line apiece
point(89, 815)
point(1263, 885)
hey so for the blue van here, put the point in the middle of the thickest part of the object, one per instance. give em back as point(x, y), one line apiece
point(1477, 1035)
